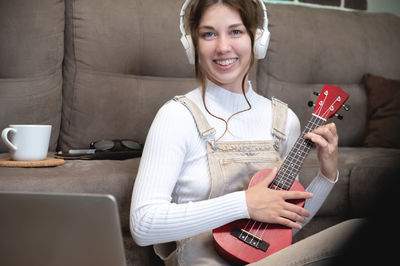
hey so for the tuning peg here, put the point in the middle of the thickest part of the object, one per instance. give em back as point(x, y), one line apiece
point(346, 107)
point(339, 116)
point(310, 104)
point(316, 93)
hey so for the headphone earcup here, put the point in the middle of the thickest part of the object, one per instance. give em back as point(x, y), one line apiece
point(261, 43)
point(187, 43)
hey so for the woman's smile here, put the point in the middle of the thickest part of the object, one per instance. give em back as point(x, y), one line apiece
point(226, 64)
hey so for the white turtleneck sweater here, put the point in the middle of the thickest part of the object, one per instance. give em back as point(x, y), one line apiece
point(169, 199)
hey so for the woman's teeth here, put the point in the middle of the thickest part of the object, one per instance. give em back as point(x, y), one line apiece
point(226, 62)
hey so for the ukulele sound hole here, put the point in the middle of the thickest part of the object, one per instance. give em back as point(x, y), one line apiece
point(250, 239)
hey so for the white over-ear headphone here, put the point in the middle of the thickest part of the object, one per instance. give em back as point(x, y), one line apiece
point(260, 43)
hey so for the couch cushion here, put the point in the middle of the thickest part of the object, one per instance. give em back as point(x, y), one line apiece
point(372, 169)
point(375, 171)
point(31, 54)
point(126, 36)
point(310, 45)
point(351, 129)
point(31, 37)
point(34, 100)
point(102, 105)
point(369, 185)
point(337, 203)
point(383, 112)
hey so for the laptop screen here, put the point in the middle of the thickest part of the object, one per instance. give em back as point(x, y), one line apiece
point(60, 229)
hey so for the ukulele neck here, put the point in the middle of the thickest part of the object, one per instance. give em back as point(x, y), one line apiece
point(294, 160)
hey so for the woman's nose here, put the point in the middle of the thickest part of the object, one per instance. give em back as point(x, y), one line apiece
point(223, 44)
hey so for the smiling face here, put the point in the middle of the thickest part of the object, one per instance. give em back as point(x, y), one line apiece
point(224, 47)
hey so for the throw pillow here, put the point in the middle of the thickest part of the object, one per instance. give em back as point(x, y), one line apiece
point(383, 112)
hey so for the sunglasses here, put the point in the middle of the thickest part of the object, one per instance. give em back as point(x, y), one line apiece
point(115, 145)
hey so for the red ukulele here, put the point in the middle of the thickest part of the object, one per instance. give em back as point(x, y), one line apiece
point(246, 241)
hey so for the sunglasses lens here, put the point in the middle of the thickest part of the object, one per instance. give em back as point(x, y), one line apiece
point(130, 144)
point(104, 145)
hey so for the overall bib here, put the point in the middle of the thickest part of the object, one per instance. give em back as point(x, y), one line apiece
point(232, 164)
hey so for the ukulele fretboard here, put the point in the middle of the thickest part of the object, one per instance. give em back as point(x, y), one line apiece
point(294, 160)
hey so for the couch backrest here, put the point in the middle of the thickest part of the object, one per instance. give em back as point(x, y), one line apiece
point(31, 54)
point(123, 60)
point(310, 47)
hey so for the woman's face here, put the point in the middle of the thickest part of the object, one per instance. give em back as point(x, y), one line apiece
point(224, 47)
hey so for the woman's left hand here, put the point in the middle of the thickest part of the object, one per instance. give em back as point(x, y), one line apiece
point(326, 139)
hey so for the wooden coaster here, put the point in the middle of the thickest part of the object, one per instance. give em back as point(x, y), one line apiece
point(8, 162)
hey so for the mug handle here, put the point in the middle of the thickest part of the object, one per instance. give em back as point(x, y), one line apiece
point(4, 137)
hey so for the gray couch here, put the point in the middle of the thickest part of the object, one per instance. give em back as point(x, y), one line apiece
point(99, 69)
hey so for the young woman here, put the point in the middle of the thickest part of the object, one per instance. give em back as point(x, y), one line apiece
point(203, 148)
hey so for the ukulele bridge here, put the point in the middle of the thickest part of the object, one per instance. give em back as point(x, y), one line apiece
point(250, 239)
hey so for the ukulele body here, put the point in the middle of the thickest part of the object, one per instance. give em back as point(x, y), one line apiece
point(241, 243)
point(239, 247)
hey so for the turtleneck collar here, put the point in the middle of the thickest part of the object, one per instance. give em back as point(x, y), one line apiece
point(230, 101)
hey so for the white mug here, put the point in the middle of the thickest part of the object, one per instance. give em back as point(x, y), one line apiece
point(28, 142)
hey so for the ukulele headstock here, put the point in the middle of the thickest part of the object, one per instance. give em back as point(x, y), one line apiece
point(329, 101)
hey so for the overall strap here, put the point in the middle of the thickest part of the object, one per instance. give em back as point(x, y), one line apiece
point(202, 124)
point(279, 115)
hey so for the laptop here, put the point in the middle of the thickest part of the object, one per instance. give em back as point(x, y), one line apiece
point(60, 230)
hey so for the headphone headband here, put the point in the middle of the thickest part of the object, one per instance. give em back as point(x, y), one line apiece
point(261, 39)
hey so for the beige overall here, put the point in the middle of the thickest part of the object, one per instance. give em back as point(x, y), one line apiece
point(232, 164)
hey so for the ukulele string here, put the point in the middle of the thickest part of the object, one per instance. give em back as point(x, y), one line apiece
point(255, 234)
point(302, 147)
point(322, 103)
point(241, 233)
point(271, 186)
point(331, 108)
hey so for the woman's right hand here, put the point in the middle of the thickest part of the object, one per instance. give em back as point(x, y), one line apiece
point(270, 206)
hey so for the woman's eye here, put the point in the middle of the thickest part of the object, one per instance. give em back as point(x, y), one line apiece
point(208, 35)
point(236, 32)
